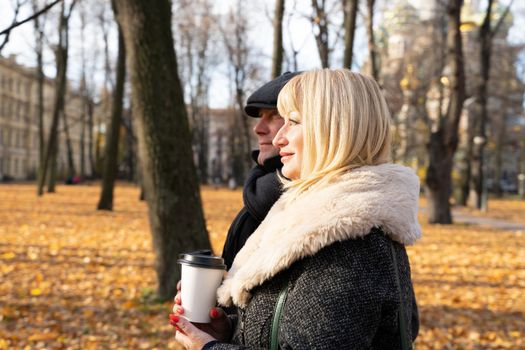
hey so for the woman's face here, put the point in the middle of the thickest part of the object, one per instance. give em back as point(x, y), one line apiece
point(289, 140)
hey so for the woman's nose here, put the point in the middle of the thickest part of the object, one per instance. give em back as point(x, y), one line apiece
point(280, 140)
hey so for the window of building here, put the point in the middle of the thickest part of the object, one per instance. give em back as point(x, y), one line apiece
point(28, 90)
point(6, 165)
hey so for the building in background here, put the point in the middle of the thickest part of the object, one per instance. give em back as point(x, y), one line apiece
point(415, 84)
point(19, 145)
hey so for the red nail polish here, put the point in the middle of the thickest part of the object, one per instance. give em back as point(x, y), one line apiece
point(174, 318)
point(214, 313)
point(180, 310)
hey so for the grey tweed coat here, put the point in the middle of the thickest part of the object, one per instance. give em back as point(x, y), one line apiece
point(332, 248)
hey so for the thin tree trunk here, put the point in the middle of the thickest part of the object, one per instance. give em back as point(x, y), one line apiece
point(69, 149)
point(83, 94)
point(371, 41)
point(444, 139)
point(53, 168)
point(113, 134)
point(82, 145)
point(172, 192)
point(60, 89)
point(480, 138)
point(521, 174)
point(466, 171)
point(130, 146)
point(350, 15)
point(498, 156)
point(321, 37)
point(277, 57)
point(39, 35)
point(204, 145)
point(91, 156)
point(245, 133)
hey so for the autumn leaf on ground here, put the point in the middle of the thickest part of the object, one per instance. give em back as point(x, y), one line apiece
point(77, 278)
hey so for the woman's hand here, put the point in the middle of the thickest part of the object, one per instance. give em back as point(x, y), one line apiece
point(188, 335)
point(219, 328)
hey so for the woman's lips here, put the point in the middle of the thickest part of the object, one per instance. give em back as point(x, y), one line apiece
point(285, 155)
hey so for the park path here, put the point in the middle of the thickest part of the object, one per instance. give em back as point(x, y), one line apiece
point(461, 217)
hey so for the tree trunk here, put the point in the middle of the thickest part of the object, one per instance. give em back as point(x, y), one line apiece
point(350, 14)
point(371, 41)
point(53, 165)
point(466, 165)
point(277, 57)
point(60, 90)
point(83, 94)
point(82, 143)
point(169, 176)
point(113, 134)
point(204, 121)
point(321, 37)
point(39, 35)
point(438, 181)
point(521, 174)
point(69, 149)
point(498, 154)
point(91, 156)
point(245, 134)
point(480, 138)
point(130, 146)
point(444, 139)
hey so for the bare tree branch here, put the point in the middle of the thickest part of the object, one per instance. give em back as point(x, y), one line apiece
point(33, 16)
point(6, 38)
point(501, 19)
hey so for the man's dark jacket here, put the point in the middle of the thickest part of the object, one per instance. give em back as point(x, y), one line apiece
point(261, 190)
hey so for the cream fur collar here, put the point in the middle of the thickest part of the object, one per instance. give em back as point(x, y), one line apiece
point(383, 196)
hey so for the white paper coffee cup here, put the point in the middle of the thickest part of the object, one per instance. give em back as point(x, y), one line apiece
point(201, 276)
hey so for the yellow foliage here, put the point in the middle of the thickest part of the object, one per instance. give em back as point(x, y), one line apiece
point(73, 277)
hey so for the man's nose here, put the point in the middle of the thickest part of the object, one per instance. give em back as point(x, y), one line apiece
point(260, 128)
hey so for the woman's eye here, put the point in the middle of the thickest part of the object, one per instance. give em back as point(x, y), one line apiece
point(293, 122)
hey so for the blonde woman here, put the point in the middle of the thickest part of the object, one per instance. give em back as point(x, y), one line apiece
point(327, 268)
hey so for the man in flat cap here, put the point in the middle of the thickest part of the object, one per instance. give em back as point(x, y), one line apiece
point(262, 188)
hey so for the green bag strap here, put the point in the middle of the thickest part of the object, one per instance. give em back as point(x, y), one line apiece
point(401, 315)
point(279, 306)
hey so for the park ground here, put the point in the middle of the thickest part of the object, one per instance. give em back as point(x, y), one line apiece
point(72, 277)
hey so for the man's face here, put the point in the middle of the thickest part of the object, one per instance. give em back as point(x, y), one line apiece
point(266, 128)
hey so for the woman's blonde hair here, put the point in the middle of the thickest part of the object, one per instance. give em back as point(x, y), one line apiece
point(346, 124)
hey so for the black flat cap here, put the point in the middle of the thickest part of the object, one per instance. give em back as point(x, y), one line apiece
point(266, 95)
